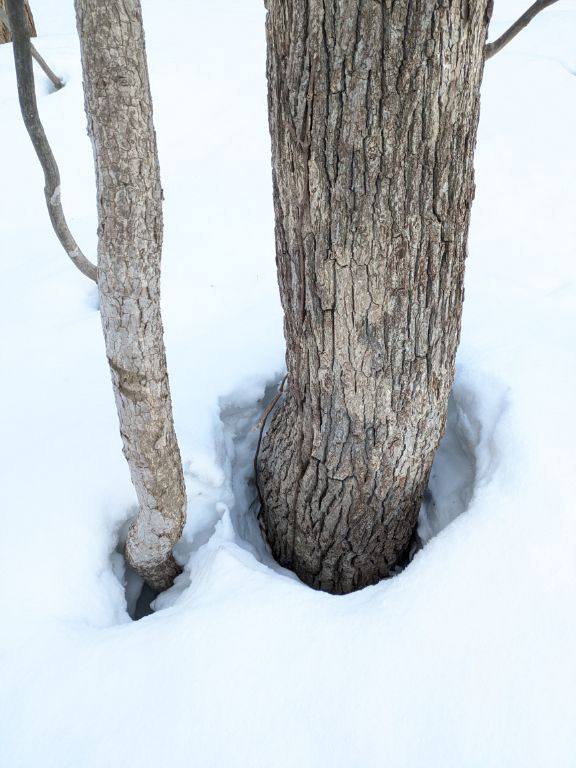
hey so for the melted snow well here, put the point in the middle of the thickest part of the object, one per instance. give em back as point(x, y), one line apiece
point(452, 480)
point(451, 484)
point(450, 490)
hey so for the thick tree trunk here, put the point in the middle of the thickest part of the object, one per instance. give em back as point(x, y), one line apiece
point(119, 109)
point(5, 35)
point(373, 112)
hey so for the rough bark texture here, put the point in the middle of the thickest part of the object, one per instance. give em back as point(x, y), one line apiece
point(119, 109)
point(373, 108)
point(5, 35)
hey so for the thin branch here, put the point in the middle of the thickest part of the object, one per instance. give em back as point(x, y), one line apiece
point(29, 109)
point(262, 420)
point(260, 425)
point(54, 79)
point(496, 46)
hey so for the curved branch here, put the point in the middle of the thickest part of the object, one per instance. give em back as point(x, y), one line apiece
point(518, 26)
point(54, 79)
point(29, 109)
point(260, 426)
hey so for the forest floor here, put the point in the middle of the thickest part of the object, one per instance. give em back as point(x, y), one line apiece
point(465, 659)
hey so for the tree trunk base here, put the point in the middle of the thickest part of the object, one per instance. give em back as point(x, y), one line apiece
point(158, 568)
point(338, 534)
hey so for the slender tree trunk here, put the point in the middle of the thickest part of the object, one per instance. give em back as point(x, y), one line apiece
point(119, 109)
point(373, 110)
point(5, 34)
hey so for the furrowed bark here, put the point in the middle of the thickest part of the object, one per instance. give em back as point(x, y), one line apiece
point(373, 110)
point(119, 110)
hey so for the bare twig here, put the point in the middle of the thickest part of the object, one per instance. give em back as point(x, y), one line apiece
point(54, 79)
point(29, 109)
point(518, 26)
point(262, 420)
point(260, 425)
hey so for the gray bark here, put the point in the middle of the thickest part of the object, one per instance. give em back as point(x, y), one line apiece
point(5, 31)
point(373, 110)
point(119, 110)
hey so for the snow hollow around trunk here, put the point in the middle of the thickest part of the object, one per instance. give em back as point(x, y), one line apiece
point(465, 459)
point(464, 448)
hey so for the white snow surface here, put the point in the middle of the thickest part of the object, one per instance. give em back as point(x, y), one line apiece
point(465, 659)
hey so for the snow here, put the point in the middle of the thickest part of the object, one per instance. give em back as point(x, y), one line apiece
point(467, 657)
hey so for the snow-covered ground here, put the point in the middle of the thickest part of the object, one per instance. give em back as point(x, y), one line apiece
point(468, 657)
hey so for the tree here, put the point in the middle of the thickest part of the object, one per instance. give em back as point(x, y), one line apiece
point(373, 110)
point(119, 110)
